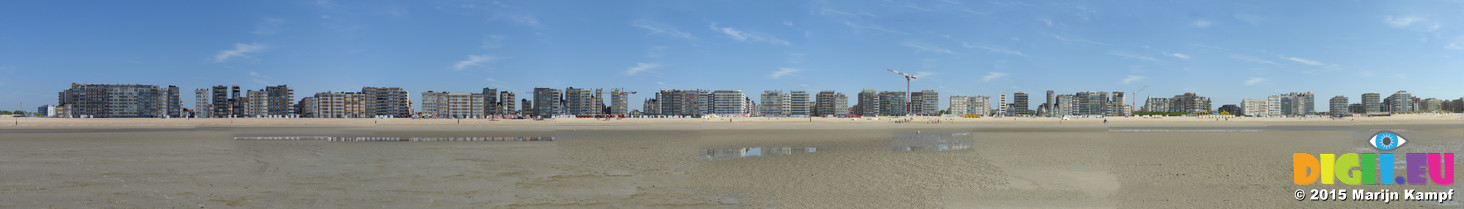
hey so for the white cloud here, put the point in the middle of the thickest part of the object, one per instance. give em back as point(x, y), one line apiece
point(926, 47)
point(474, 61)
point(991, 48)
point(856, 26)
point(788, 23)
point(1458, 43)
point(240, 50)
point(1401, 22)
point(269, 26)
point(1132, 56)
point(1132, 78)
point(657, 28)
point(656, 52)
point(1254, 80)
point(1201, 23)
point(744, 36)
point(993, 76)
point(1178, 55)
point(490, 79)
point(1304, 61)
point(1251, 59)
point(1045, 20)
point(641, 67)
point(1249, 18)
point(1075, 39)
point(493, 41)
point(924, 74)
point(784, 71)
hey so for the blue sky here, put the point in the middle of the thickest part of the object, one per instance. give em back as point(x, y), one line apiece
point(1227, 50)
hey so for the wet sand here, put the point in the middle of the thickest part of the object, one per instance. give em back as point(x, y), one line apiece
point(674, 163)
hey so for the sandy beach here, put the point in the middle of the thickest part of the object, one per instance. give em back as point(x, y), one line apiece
point(1177, 162)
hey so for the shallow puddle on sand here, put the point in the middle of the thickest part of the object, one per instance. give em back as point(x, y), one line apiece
point(746, 152)
point(394, 139)
point(933, 142)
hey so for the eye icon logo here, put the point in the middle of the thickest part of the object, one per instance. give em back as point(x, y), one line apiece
point(1387, 140)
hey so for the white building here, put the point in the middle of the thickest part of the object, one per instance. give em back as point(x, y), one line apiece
point(1256, 107)
point(452, 105)
point(729, 103)
point(970, 105)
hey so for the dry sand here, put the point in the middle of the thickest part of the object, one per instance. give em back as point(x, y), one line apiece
point(668, 163)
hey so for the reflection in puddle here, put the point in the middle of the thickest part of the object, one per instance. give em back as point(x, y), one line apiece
point(393, 138)
point(933, 142)
point(744, 152)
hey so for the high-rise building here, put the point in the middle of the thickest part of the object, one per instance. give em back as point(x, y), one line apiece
point(117, 100)
point(452, 105)
point(256, 104)
point(684, 102)
point(221, 103)
point(1356, 108)
point(1402, 101)
point(925, 102)
point(309, 107)
point(1371, 103)
point(174, 102)
point(490, 102)
point(546, 102)
point(1046, 109)
point(619, 102)
point(1002, 108)
point(579, 101)
point(729, 103)
point(202, 108)
point(830, 103)
point(598, 99)
point(1338, 106)
point(1430, 104)
point(1020, 106)
point(526, 107)
point(1092, 103)
point(1117, 106)
point(776, 103)
point(868, 105)
point(387, 102)
point(799, 103)
point(1291, 104)
point(1067, 104)
point(281, 100)
point(505, 103)
point(1189, 102)
point(970, 105)
point(1255, 107)
point(343, 105)
point(238, 102)
point(893, 103)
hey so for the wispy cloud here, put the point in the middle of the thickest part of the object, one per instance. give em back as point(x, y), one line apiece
point(490, 79)
point(474, 61)
point(641, 67)
point(1075, 40)
point(260, 78)
point(493, 41)
point(795, 58)
point(240, 50)
point(993, 76)
point(656, 52)
point(269, 26)
point(1129, 55)
point(926, 47)
point(1046, 20)
point(1402, 22)
point(661, 29)
point(744, 36)
point(991, 48)
point(1132, 79)
point(1177, 55)
point(1304, 61)
point(1201, 23)
point(1254, 80)
point(924, 74)
point(784, 71)
point(857, 26)
point(1251, 59)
